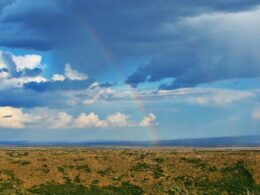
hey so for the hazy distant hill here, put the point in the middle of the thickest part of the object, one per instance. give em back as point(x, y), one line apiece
point(203, 142)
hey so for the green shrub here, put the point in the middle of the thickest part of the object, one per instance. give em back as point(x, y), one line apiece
point(157, 172)
point(141, 167)
point(159, 160)
point(75, 189)
point(61, 169)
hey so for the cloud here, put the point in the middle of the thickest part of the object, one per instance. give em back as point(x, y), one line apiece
point(198, 96)
point(119, 120)
point(31, 72)
point(58, 85)
point(73, 74)
point(58, 77)
point(27, 61)
point(89, 121)
point(219, 97)
point(222, 46)
point(7, 63)
point(31, 98)
point(18, 70)
point(49, 118)
point(86, 33)
point(96, 93)
point(12, 118)
point(45, 118)
point(148, 120)
point(73, 80)
point(62, 121)
point(256, 115)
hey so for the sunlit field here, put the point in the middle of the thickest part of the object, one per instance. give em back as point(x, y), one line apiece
point(129, 171)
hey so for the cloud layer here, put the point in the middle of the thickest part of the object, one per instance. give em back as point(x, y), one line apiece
point(41, 118)
point(193, 43)
point(67, 64)
point(212, 47)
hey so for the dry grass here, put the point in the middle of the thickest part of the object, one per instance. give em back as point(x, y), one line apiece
point(154, 170)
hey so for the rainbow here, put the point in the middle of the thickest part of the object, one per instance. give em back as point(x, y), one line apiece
point(109, 57)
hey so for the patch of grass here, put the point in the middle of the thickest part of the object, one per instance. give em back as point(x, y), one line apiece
point(159, 160)
point(42, 159)
point(141, 167)
point(157, 172)
point(77, 179)
point(45, 169)
point(61, 169)
point(198, 163)
point(12, 185)
point(84, 168)
point(75, 189)
point(17, 154)
point(104, 172)
point(142, 156)
point(21, 162)
point(236, 180)
point(78, 159)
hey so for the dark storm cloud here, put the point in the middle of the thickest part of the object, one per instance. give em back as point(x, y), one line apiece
point(21, 98)
point(85, 33)
point(58, 85)
point(107, 84)
point(31, 72)
point(26, 98)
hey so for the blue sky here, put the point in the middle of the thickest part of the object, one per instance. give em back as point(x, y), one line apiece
point(128, 70)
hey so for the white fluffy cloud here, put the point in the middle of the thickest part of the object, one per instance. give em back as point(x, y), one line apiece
point(53, 119)
point(13, 117)
point(18, 82)
point(119, 120)
point(27, 61)
point(73, 74)
point(148, 120)
point(70, 74)
point(256, 115)
point(58, 77)
point(12, 67)
point(62, 120)
point(96, 93)
point(89, 121)
point(15, 71)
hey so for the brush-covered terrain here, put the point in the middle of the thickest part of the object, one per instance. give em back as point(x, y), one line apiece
point(129, 171)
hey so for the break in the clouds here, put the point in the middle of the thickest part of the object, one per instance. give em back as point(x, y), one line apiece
point(27, 72)
point(189, 69)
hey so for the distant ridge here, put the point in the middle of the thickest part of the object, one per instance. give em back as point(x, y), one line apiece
point(236, 141)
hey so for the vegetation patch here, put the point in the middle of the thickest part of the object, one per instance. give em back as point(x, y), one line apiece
point(159, 160)
point(148, 171)
point(236, 179)
point(198, 163)
point(105, 172)
point(21, 162)
point(70, 188)
point(156, 170)
point(45, 169)
point(141, 167)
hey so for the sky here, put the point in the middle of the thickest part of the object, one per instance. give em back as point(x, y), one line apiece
point(80, 70)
